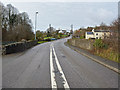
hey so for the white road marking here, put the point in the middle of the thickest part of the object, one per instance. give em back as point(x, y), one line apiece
point(66, 86)
point(53, 82)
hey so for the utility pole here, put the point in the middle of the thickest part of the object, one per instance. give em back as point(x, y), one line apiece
point(71, 29)
point(50, 27)
point(35, 23)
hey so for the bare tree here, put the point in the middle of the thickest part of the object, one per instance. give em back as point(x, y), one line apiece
point(15, 26)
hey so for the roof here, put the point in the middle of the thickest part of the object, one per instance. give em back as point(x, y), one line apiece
point(101, 31)
point(89, 32)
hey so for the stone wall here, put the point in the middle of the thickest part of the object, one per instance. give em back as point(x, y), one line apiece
point(17, 47)
point(82, 43)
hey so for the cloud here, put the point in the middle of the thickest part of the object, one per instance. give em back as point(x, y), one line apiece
point(103, 13)
point(8, 1)
point(100, 15)
point(64, 14)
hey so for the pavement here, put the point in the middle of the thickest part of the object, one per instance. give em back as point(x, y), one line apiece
point(55, 65)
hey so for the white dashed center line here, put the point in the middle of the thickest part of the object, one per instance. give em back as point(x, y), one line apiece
point(53, 81)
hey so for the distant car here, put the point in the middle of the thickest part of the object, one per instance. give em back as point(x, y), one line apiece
point(53, 39)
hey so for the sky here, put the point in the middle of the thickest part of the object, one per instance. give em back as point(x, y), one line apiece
point(61, 14)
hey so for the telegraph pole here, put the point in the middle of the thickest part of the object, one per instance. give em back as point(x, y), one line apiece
point(71, 29)
point(50, 27)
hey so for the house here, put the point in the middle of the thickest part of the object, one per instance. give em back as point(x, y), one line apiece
point(97, 34)
point(63, 31)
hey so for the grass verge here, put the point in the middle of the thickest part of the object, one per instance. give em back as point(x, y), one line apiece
point(39, 42)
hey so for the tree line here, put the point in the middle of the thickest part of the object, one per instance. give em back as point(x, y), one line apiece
point(15, 25)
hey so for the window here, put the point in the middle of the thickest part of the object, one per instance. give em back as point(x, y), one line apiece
point(96, 37)
point(96, 33)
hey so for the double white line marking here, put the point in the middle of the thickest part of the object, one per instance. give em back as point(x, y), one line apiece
point(53, 81)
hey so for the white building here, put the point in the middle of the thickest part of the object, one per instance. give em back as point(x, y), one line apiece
point(97, 34)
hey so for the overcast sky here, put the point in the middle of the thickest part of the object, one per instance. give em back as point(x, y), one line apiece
point(63, 14)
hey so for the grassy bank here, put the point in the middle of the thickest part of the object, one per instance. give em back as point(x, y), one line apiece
point(47, 38)
point(39, 42)
point(108, 54)
point(105, 50)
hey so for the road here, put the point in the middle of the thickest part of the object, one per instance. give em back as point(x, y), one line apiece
point(54, 65)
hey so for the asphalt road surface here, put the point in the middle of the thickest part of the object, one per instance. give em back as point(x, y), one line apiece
point(54, 65)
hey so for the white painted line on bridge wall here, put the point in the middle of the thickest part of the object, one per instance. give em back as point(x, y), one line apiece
point(53, 82)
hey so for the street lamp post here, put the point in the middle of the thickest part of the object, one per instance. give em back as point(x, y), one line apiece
point(35, 23)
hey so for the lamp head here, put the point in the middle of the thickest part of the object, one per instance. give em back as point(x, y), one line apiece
point(36, 12)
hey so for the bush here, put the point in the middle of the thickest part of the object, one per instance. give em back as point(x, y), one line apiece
point(81, 37)
point(99, 44)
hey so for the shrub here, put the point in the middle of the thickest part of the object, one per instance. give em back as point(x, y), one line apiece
point(81, 37)
point(99, 44)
